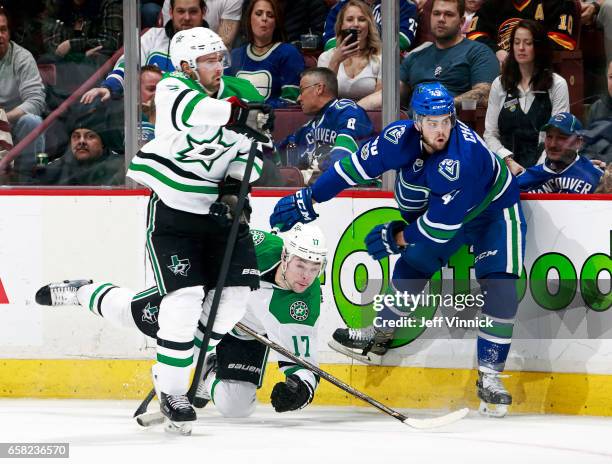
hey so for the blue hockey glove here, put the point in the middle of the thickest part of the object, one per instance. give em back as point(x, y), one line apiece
point(293, 209)
point(380, 242)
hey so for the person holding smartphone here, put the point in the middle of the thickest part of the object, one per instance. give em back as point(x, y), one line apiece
point(356, 59)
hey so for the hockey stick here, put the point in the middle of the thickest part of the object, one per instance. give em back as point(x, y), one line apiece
point(225, 264)
point(421, 424)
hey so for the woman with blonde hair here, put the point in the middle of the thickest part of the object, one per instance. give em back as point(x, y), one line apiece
point(357, 58)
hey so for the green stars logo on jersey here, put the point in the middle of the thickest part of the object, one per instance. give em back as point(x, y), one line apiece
point(179, 266)
point(205, 151)
point(257, 237)
point(299, 311)
point(149, 314)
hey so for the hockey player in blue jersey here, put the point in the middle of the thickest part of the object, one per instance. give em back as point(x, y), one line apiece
point(337, 128)
point(563, 170)
point(451, 190)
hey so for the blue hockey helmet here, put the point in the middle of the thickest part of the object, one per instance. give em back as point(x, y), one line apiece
point(432, 99)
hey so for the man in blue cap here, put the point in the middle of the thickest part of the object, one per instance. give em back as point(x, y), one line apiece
point(564, 170)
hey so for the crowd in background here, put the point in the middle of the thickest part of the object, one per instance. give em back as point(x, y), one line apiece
point(317, 62)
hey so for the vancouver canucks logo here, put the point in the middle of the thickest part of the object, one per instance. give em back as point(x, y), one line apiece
point(257, 236)
point(365, 152)
point(345, 103)
point(149, 314)
point(179, 266)
point(394, 134)
point(449, 169)
point(205, 151)
point(299, 311)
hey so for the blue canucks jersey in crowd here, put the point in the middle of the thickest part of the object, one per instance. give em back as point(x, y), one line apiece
point(579, 177)
point(336, 131)
point(437, 193)
point(276, 74)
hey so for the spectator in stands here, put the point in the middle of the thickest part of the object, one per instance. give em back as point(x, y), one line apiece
point(222, 16)
point(335, 131)
point(88, 161)
point(494, 22)
point(304, 17)
point(154, 47)
point(22, 96)
point(149, 77)
point(408, 22)
point(84, 28)
point(357, 61)
point(600, 11)
point(524, 97)
point(464, 67)
point(563, 170)
point(26, 23)
point(471, 7)
point(598, 136)
point(272, 66)
point(149, 13)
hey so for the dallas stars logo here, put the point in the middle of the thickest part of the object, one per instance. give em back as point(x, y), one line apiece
point(179, 266)
point(299, 311)
point(149, 314)
point(205, 151)
point(257, 236)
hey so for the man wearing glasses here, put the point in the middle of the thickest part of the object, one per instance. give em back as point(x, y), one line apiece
point(336, 129)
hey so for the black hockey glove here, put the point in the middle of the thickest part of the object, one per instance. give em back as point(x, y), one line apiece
point(255, 120)
point(291, 394)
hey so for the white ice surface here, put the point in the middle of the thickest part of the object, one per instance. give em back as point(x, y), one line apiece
point(103, 431)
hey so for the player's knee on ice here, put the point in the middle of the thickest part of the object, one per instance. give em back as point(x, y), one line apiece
point(234, 398)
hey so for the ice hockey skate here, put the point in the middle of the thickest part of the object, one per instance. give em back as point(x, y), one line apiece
point(367, 345)
point(201, 397)
point(60, 293)
point(494, 397)
point(177, 410)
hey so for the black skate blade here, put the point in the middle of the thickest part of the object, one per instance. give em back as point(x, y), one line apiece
point(435, 422)
point(370, 358)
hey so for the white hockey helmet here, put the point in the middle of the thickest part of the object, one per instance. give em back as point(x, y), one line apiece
point(190, 44)
point(307, 242)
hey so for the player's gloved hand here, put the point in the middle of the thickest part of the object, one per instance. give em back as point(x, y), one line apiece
point(380, 242)
point(291, 394)
point(251, 119)
point(293, 209)
point(223, 210)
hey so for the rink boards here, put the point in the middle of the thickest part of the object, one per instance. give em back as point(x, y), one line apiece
point(560, 361)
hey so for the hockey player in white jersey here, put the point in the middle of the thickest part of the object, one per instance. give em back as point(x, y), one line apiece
point(197, 158)
point(286, 308)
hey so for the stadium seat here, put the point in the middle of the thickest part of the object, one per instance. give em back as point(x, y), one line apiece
point(47, 74)
point(287, 121)
point(292, 176)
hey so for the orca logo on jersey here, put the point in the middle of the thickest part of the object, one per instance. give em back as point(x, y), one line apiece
point(149, 314)
point(299, 311)
point(449, 169)
point(394, 134)
point(344, 103)
point(257, 236)
point(179, 266)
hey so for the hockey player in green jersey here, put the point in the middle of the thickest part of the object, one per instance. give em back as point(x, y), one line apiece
point(285, 308)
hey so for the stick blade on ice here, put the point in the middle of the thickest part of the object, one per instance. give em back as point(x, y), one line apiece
point(434, 422)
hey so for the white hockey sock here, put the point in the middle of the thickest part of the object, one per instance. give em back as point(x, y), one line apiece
point(111, 302)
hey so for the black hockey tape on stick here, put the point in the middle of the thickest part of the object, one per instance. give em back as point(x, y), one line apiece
point(225, 264)
point(410, 421)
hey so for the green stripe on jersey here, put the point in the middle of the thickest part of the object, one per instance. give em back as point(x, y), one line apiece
point(499, 329)
point(495, 189)
point(346, 164)
point(241, 160)
point(190, 107)
point(290, 93)
point(440, 234)
point(346, 141)
point(172, 183)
